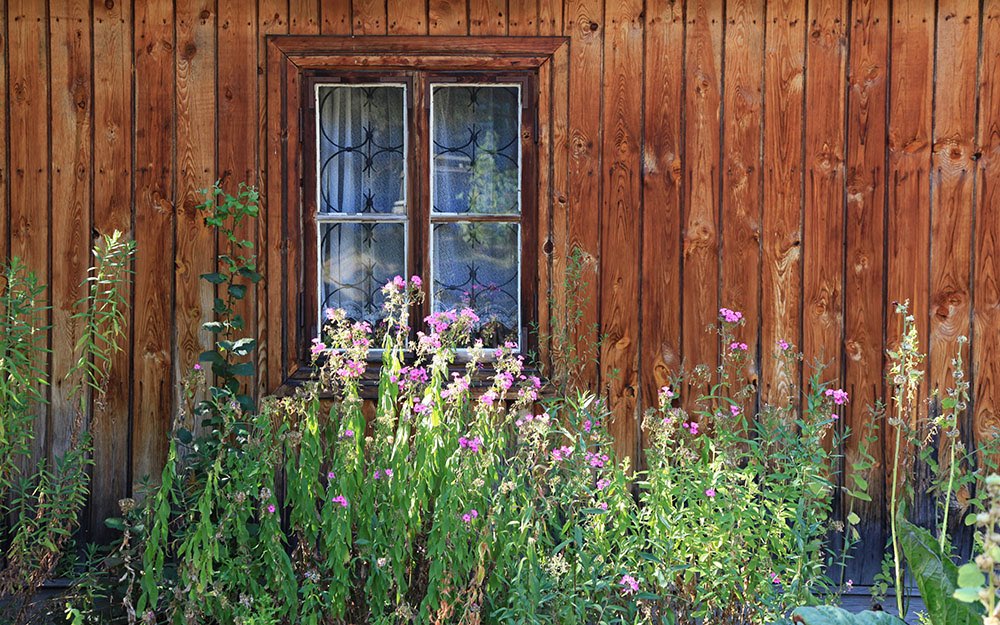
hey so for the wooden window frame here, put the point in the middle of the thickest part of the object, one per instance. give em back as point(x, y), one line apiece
point(294, 65)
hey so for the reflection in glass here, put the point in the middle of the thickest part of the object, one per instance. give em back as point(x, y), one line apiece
point(475, 265)
point(361, 150)
point(357, 259)
point(476, 149)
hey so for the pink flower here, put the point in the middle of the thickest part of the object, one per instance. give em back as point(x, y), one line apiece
point(329, 313)
point(399, 282)
point(472, 444)
point(710, 492)
point(783, 345)
point(197, 367)
point(331, 475)
point(587, 426)
point(839, 395)
point(775, 579)
point(595, 460)
point(340, 499)
point(563, 453)
point(730, 316)
point(416, 281)
point(348, 434)
point(470, 515)
point(603, 505)
point(420, 407)
point(737, 346)
point(388, 473)
point(603, 483)
point(488, 397)
point(690, 426)
point(629, 585)
point(270, 508)
point(378, 474)
point(318, 347)
point(735, 410)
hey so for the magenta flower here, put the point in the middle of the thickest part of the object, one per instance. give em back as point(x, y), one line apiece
point(340, 499)
point(470, 515)
point(318, 347)
point(587, 426)
point(488, 397)
point(834, 416)
point(331, 475)
point(399, 282)
point(737, 346)
point(603, 483)
point(596, 460)
point(197, 367)
point(710, 492)
point(730, 316)
point(783, 345)
point(690, 426)
point(603, 505)
point(420, 407)
point(629, 585)
point(329, 313)
point(838, 395)
point(735, 410)
point(775, 579)
point(270, 508)
point(562, 453)
point(416, 281)
point(472, 444)
point(348, 434)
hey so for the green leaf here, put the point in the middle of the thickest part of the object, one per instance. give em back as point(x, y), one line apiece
point(853, 518)
point(238, 291)
point(214, 278)
point(244, 346)
point(936, 578)
point(830, 615)
point(211, 356)
point(214, 327)
point(966, 595)
point(243, 369)
point(969, 576)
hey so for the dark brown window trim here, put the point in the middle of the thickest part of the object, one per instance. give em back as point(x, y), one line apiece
point(294, 62)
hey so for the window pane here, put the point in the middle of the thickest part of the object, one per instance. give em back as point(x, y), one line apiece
point(361, 150)
point(356, 260)
point(476, 149)
point(476, 265)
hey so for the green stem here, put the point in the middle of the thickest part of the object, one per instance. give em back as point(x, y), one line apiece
point(893, 512)
point(947, 498)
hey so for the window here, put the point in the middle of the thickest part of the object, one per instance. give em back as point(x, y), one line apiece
point(430, 156)
point(453, 208)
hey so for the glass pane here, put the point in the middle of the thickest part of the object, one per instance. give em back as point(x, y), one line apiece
point(356, 260)
point(476, 265)
point(361, 150)
point(476, 149)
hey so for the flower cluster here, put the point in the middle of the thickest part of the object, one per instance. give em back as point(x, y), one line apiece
point(691, 426)
point(629, 584)
point(562, 453)
point(596, 460)
point(473, 444)
point(838, 395)
point(469, 516)
point(730, 316)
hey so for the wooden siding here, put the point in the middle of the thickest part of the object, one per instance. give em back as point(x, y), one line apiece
point(806, 163)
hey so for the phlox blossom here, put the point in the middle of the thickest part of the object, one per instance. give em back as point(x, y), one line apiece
point(470, 515)
point(710, 493)
point(730, 316)
point(340, 499)
point(562, 453)
point(690, 426)
point(318, 347)
point(629, 585)
point(838, 395)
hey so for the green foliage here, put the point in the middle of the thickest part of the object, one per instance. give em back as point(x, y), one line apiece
point(47, 502)
point(979, 581)
point(829, 615)
point(936, 576)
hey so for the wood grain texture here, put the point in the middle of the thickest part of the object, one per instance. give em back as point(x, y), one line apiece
point(448, 17)
point(620, 218)
point(741, 209)
point(864, 297)
point(406, 17)
point(544, 246)
point(487, 17)
point(28, 124)
point(952, 181)
point(4, 144)
point(583, 26)
point(335, 16)
point(196, 143)
point(154, 234)
point(522, 18)
point(113, 120)
point(701, 190)
point(236, 104)
point(273, 19)
point(986, 344)
point(550, 17)
point(303, 16)
point(559, 221)
point(369, 17)
point(911, 91)
point(70, 56)
point(663, 153)
point(823, 224)
point(781, 279)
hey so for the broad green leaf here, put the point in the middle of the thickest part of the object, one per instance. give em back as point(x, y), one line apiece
point(830, 615)
point(969, 576)
point(966, 595)
point(936, 578)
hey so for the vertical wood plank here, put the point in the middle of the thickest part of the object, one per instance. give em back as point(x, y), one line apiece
point(620, 217)
point(196, 141)
point(522, 17)
point(406, 17)
point(781, 279)
point(663, 150)
point(28, 123)
point(910, 94)
point(487, 17)
point(369, 17)
point(113, 83)
point(560, 184)
point(335, 15)
point(236, 110)
point(702, 102)
point(154, 234)
point(4, 144)
point(70, 55)
point(986, 346)
point(741, 172)
point(823, 264)
point(448, 17)
point(273, 20)
point(550, 17)
point(863, 289)
point(543, 218)
point(952, 175)
point(583, 26)
point(304, 16)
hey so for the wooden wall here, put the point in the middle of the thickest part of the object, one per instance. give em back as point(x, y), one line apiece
point(807, 163)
